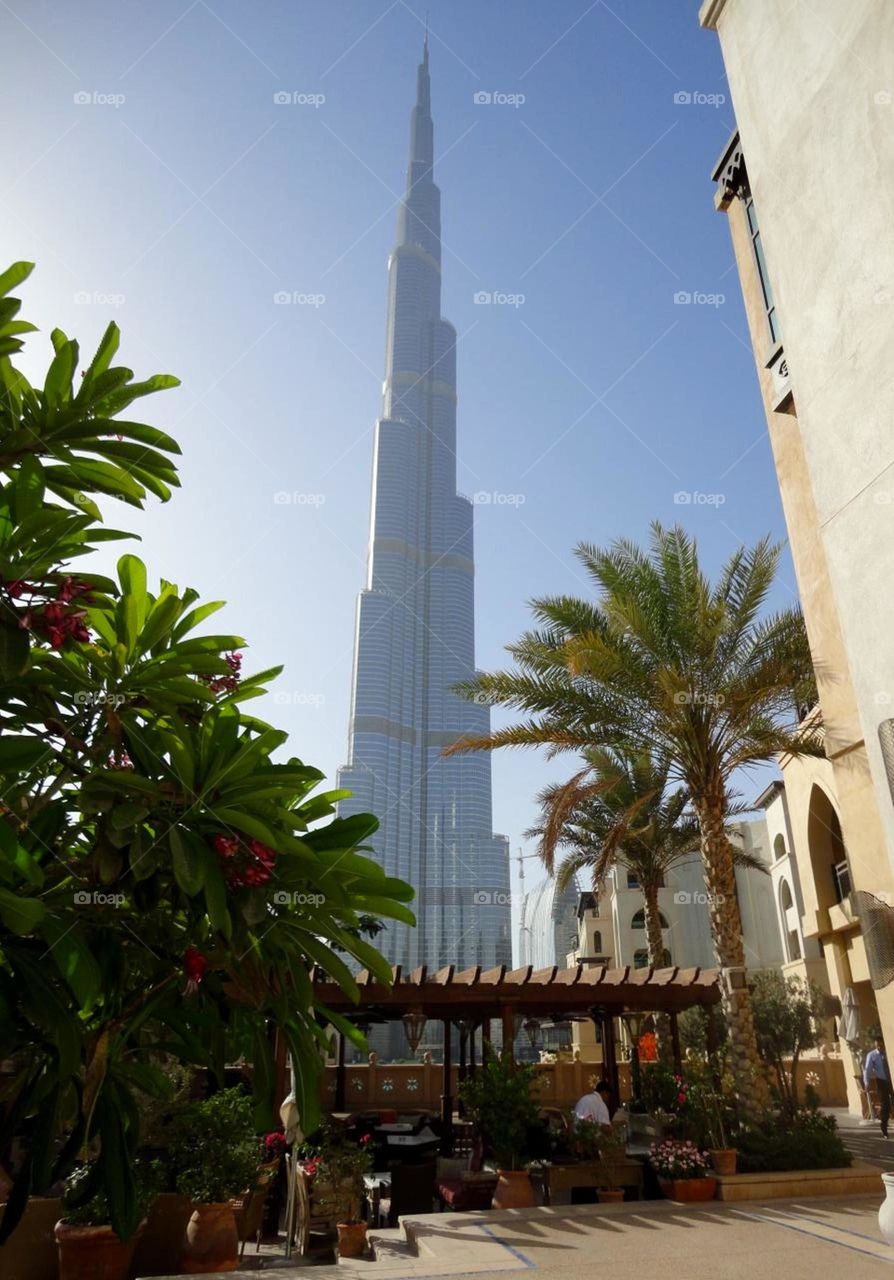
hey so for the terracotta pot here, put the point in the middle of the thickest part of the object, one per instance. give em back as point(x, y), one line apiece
point(611, 1195)
point(688, 1189)
point(724, 1160)
point(514, 1190)
point(351, 1239)
point(211, 1242)
point(94, 1253)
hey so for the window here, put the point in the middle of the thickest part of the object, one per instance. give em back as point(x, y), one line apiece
point(641, 959)
point(597, 943)
point(639, 920)
point(778, 848)
point(632, 882)
point(757, 245)
point(789, 922)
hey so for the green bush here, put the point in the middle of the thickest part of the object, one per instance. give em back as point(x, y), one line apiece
point(214, 1149)
point(810, 1141)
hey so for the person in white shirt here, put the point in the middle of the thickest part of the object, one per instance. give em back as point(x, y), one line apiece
point(594, 1106)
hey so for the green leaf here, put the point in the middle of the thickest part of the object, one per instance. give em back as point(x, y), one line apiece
point(13, 276)
point(15, 648)
point(74, 959)
point(188, 862)
point(20, 753)
point(20, 915)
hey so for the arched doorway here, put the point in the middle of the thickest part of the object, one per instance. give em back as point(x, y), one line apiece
point(828, 857)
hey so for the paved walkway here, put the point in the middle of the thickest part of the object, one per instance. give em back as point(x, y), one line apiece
point(866, 1141)
point(775, 1240)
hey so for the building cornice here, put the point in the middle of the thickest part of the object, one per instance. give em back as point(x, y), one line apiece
point(710, 12)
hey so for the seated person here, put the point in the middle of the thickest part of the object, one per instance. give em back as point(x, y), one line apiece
point(594, 1106)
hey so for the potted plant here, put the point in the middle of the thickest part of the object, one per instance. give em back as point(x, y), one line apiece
point(682, 1170)
point(88, 1246)
point(612, 1149)
point(214, 1153)
point(499, 1101)
point(337, 1168)
point(707, 1125)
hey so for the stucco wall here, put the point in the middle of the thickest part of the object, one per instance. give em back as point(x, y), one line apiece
point(813, 91)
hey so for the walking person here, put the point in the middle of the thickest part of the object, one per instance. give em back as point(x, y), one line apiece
point(876, 1068)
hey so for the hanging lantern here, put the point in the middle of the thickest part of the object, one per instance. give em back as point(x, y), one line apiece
point(532, 1030)
point(414, 1027)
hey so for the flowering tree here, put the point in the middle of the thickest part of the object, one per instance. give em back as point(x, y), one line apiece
point(167, 881)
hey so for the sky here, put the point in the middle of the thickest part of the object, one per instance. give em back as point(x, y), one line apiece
point(176, 166)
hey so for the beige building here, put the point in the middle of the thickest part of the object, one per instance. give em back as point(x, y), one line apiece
point(611, 923)
point(807, 184)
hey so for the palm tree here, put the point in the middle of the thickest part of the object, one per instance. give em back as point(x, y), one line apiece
point(666, 662)
point(617, 812)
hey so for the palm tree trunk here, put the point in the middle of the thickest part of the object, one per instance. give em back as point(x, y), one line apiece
point(749, 1070)
point(655, 944)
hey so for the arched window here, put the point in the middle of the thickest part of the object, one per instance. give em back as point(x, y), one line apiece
point(640, 959)
point(597, 943)
point(789, 922)
point(639, 919)
point(779, 848)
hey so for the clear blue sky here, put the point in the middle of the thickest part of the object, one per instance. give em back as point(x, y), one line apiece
point(184, 208)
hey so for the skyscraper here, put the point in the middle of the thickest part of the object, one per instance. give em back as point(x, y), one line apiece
point(415, 624)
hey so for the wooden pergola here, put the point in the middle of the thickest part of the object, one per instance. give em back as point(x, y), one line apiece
point(472, 999)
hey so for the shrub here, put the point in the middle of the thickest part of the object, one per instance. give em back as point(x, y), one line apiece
point(809, 1141)
point(214, 1149)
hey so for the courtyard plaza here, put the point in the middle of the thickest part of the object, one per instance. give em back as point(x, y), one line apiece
point(779, 1240)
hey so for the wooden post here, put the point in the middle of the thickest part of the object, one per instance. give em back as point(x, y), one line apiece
point(446, 1094)
point(508, 1017)
point(610, 1056)
point(340, 1091)
point(463, 1041)
point(472, 1066)
point(675, 1044)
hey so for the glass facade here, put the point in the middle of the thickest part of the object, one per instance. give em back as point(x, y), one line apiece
point(415, 625)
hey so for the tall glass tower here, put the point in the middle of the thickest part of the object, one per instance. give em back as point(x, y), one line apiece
point(415, 623)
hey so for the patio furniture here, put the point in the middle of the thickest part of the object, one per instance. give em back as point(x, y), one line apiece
point(412, 1190)
point(556, 1182)
point(467, 1191)
point(312, 1213)
point(374, 1184)
point(248, 1209)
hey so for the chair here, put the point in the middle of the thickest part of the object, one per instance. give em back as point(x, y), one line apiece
point(313, 1212)
point(248, 1209)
